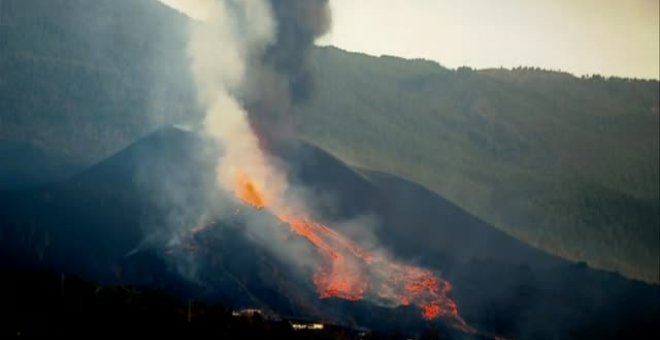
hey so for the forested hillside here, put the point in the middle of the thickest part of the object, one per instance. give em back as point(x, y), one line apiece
point(569, 165)
point(80, 79)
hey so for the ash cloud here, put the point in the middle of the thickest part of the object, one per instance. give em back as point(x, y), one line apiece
point(284, 78)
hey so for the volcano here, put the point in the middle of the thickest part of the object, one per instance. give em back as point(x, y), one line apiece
point(111, 225)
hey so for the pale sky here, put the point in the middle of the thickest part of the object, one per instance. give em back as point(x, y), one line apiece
point(609, 37)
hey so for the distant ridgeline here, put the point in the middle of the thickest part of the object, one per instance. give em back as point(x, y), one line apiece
point(565, 164)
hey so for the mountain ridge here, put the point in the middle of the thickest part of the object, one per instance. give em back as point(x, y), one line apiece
point(565, 164)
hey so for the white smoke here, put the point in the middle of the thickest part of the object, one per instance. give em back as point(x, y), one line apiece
point(227, 39)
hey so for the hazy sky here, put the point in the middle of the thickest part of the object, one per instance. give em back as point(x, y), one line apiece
point(610, 37)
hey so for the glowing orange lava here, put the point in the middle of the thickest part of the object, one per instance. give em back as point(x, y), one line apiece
point(247, 192)
point(352, 273)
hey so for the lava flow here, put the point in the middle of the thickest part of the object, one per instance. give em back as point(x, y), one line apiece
point(352, 273)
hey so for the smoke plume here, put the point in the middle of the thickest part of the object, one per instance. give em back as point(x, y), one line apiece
point(242, 62)
point(242, 59)
point(249, 61)
point(284, 78)
point(273, 38)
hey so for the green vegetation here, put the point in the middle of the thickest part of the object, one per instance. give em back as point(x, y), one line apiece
point(566, 164)
point(80, 79)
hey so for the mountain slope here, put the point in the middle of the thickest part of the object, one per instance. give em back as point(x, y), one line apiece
point(102, 223)
point(568, 165)
point(81, 79)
